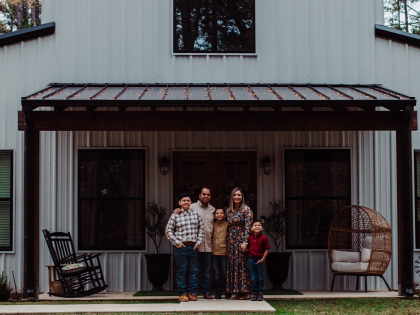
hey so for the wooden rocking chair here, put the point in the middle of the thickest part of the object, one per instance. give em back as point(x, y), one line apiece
point(74, 282)
point(359, 244)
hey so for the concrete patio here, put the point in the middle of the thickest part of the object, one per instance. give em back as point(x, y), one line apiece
point(307, 295)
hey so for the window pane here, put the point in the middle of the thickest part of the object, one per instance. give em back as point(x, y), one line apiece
point(318, 173)
point(310, 221)
point(112, 224)
point(5, 174)
point(193, 20)
point(235, 25)
point(5, 224)
point(111, 173)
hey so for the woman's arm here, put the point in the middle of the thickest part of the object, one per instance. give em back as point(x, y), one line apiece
point(248, 217)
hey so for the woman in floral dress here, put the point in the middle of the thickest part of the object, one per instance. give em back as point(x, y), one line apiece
point(239, 217)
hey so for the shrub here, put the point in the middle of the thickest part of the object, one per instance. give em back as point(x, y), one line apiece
point(5, 288)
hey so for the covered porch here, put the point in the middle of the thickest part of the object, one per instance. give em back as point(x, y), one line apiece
point(218, 108)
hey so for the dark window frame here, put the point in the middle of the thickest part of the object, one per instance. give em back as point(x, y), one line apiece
point(214, 34)
point(286, 198)
point(79, 203)
point(10, 248)
point(416, 199)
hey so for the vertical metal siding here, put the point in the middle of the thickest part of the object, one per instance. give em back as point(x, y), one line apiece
point(299, 41)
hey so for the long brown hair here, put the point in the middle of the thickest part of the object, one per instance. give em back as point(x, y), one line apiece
point(232, 204)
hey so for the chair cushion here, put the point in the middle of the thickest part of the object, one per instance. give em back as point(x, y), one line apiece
point(350, 267)
point(73, 267)
point(366, 252)
point(344, 256)
point(367, 242)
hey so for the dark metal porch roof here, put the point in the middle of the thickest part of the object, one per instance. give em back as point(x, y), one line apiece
point(337, 97)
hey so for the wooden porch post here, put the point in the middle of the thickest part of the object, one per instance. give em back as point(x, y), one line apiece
point(31, 209)
point(405, 208)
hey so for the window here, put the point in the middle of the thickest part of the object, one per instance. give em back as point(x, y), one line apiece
point(317, 186)
point(6, 201)
point(214, 26)
point(111, 199)
point(417, 196)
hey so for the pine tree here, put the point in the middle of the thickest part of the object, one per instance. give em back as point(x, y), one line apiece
point(19, 14)
point(402, 15)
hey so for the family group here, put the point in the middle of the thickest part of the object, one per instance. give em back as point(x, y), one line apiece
point(230, 238)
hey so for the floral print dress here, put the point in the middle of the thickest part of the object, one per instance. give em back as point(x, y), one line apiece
point(238, 275)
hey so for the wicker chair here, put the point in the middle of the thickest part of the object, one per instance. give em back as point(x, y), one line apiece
point(349, 229)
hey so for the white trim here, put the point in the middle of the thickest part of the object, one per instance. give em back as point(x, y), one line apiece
point(76, 205)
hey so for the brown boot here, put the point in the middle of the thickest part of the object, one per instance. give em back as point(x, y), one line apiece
point(237, 296)
point(192, 297)
point(208, 296)
point(183, 298)
point(245, 296)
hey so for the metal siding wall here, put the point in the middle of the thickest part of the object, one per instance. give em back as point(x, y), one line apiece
point(323, 41)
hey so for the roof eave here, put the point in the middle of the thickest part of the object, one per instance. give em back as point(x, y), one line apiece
point(27, 34)
point(401, 36)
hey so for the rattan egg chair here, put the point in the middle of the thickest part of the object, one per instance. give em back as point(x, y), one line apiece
point(351, 230)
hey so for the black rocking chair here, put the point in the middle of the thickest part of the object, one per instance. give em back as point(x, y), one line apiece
point(75, 282)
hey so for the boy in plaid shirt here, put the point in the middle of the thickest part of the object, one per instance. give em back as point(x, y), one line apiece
point(185, 231)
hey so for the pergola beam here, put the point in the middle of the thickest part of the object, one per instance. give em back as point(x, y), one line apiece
point(215, 121)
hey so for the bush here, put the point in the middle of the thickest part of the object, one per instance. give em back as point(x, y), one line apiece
point(5, 288)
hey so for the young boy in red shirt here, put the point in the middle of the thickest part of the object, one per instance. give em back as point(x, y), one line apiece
point(259, 246)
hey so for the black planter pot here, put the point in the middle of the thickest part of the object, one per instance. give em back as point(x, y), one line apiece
point(278, 269)
point(158, 269)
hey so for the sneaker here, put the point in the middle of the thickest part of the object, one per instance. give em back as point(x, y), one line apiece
point(260, 296)
point(183, 298)
point(192, 297)
point(254, 296)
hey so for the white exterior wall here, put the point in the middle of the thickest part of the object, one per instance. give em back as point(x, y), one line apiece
point(130, 41)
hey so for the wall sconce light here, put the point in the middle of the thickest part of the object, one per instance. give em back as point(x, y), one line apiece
point(164, 165)
point(266, 164)
point(262, 219)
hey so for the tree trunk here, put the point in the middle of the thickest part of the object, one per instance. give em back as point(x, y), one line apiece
point(19, 14)
point(406, 15)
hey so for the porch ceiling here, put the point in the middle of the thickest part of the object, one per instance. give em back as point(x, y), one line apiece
point(277, 96)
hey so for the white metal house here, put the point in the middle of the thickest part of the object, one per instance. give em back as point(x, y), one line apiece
point(131, 81)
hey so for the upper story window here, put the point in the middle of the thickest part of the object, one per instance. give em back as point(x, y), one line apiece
point(214, 26)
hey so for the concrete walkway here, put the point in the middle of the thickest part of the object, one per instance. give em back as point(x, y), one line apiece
point(201, 306)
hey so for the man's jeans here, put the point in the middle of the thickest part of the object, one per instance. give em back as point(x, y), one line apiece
point(186, 269)
point(219, 266)
point(257, 274)
point(203, 262)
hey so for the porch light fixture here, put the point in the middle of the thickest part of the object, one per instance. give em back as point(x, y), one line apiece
point(164, 165)
point(266, 164)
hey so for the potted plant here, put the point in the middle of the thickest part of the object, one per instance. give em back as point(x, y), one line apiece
point(157, 264)
point(5, 289)
point(278, 262)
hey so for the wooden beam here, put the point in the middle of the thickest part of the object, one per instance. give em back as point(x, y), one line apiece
point(215, 121)
point(405, 208)
point(31, 209)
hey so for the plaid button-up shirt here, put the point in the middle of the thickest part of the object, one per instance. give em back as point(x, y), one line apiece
point(186, 227)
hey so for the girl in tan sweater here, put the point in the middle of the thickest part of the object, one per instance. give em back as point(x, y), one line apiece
point(219, 250)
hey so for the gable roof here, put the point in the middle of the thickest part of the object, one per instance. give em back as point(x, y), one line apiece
point(401, 36)
point(27, 34)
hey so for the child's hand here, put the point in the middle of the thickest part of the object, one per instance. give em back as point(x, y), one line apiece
point(180, 245)
point(243, 246)
point(260, 261)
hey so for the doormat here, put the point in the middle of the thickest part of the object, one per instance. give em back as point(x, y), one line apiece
point(175, 293)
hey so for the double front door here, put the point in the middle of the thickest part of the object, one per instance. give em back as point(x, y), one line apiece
point(220, 171)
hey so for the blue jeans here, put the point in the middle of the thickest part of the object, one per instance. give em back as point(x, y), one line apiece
point(203, 262)
point(257, 274)
point(219, 266)
point(186, 269)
